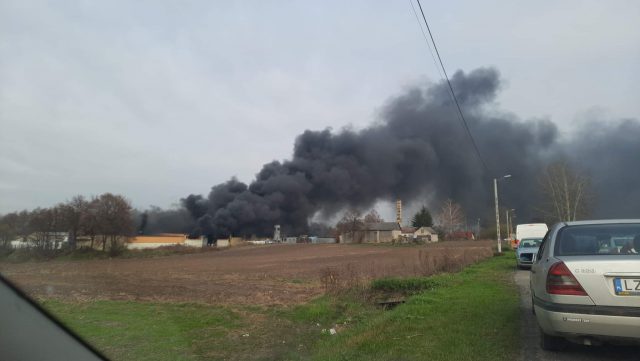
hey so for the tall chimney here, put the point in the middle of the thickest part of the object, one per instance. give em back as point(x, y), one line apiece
point(276, 233)
point(399, 212)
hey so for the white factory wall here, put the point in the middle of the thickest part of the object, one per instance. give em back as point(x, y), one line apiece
point(194, 242)
point(149, 245)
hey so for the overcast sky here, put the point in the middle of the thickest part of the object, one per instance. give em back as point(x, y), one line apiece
point(155, 100)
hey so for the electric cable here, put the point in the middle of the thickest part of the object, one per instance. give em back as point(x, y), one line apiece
point(453, 94)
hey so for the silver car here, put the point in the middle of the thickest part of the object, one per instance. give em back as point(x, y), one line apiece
point(527, 248)
point(585, 283)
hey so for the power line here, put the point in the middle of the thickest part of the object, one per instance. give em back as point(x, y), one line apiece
point(453, 94)
point(426, 40)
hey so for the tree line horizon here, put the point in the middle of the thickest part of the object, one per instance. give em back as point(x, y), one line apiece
point(106, 218)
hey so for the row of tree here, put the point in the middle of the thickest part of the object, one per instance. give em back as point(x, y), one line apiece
point(565, 195)
point(102, 219)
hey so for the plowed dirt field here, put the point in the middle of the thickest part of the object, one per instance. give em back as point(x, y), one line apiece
point(262, 275)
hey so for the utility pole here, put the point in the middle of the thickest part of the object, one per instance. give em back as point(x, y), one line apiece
point(512, 216)
point(495, 196)
point(508, 228)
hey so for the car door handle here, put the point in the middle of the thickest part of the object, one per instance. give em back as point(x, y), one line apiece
point(533, 271)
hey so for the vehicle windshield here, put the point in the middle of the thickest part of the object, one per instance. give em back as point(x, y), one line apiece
point(530, 242)
point(599, 239)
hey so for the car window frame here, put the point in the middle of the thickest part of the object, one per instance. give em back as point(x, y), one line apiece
point(542, 246)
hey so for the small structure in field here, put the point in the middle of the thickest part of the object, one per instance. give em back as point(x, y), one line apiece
point(163, 239)
point(382, 232)
point(377, 232)
point(290, 240)
point(422, 234)
point(408, 232)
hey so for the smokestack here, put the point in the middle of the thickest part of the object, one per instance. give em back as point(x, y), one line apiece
point(399, 212)
point(276, 233)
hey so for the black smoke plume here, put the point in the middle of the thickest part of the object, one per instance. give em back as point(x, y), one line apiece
point(157, 220)
point(419, 150)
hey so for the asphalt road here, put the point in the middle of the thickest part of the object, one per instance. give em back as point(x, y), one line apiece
point(531, 339)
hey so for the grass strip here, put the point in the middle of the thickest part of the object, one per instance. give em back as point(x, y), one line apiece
point(471, 315)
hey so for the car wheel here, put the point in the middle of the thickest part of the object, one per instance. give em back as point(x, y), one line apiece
point(552, 343)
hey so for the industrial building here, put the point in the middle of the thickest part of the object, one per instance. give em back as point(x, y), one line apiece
point(382, 232)
point(162, 240)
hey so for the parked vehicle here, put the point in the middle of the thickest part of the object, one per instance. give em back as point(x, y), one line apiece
point(529, 230)
point(584, 287)
point(526, 250)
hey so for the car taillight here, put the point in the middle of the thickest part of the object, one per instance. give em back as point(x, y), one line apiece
point(560, 281)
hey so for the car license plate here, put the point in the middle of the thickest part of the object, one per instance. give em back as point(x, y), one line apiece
point(627, 286)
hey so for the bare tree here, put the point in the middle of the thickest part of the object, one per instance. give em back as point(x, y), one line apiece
point(351, 225)
point(72, 216)
point(15, 225)
point(47, 225)
point(9, 228)
point(566, 192)
point(451, 216)
point(23, 224)
point(90, 223)
point(373, 217)
point(6, 232)
point(114, 217)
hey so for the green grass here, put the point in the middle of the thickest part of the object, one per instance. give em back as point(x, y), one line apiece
point(472, 315)
point(405, 285)
point(147, 331)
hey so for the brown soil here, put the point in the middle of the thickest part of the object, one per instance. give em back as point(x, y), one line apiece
point(266, 275)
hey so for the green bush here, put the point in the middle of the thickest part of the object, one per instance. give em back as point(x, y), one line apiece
point(404, 285)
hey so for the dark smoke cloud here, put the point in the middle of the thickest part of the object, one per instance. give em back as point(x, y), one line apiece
point(610, 154)
point(156, 220)
point(419, 149)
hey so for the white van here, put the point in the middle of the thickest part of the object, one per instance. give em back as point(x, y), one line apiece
point(530, 230)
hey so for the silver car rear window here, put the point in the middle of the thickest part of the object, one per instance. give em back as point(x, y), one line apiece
point(598, 239)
